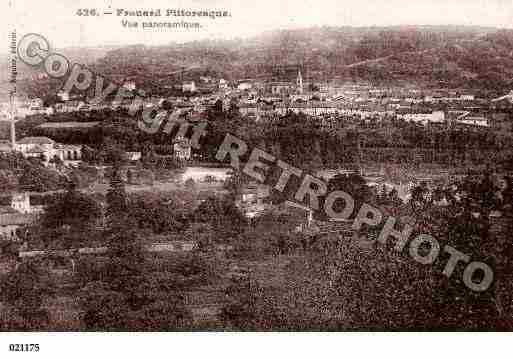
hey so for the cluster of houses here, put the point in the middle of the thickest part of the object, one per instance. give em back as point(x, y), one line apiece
point(268, 99)
point(264, 110)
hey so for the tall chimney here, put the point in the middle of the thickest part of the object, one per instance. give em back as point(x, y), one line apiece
point(13, 135)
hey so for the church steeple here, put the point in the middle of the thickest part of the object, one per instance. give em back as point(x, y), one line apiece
point(299, 82)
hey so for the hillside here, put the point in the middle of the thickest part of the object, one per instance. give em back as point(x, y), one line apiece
point(30, 80)
point(450, 56)
point(475, 58)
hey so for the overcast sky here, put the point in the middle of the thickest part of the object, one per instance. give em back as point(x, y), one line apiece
point(57, 20)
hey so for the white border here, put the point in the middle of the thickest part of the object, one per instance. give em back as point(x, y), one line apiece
point(259, 345)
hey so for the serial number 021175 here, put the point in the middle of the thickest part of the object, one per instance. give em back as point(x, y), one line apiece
point(23, 347)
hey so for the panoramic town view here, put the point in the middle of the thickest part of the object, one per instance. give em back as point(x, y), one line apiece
point(326, 178)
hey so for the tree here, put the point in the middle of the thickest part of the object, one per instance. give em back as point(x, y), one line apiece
point(36, 178)
point(112, 152)
point(354, 185)
point(166, 105)
point(122, 234)
point(8, 181)
point(104, 309)
point(24, 291)
point(203, 235)
point(421, 199)
point(117, 202)
point(241, 311)
point(160, 215)
point(73, 209)
point(221, 213)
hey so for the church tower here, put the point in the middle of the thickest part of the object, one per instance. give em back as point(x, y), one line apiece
point(299, 82)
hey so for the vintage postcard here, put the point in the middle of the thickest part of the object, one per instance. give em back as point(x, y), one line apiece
point(255, 166)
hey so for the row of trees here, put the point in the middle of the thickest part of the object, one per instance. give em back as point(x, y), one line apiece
point(295, 138)
point(302, 141)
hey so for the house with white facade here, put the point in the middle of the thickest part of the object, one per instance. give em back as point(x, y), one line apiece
point(47, 149)
point(223, 84)
point(189, 86)
point(18, 215)
point(243, 86)
point(182, 149)
point(423, 117)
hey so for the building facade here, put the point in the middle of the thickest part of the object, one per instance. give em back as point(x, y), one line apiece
point(47, 149)
point(17, 216)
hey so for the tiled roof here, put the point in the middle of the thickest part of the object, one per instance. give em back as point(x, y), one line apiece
point(36, 141)
point(36, 149)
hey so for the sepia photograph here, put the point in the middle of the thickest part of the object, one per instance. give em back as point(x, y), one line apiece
point(223, 167)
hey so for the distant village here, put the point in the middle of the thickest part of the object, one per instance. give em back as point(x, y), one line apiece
point(331, 103)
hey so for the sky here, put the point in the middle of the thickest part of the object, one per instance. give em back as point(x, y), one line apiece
point(58, 22)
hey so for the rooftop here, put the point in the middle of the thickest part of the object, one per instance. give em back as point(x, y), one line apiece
point(5, 146)
point(36, 149)
point(71, 124)
point(35, 141)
